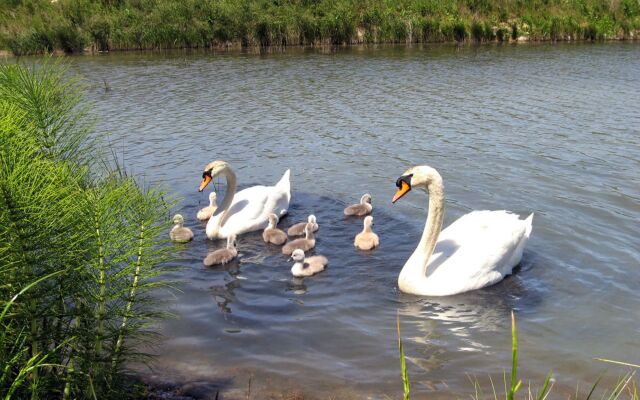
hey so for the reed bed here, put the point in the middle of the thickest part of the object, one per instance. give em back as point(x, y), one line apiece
point(80, 247)
point(40, 26)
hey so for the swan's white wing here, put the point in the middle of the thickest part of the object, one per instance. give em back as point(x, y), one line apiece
point(477, 250)
point(251, 207)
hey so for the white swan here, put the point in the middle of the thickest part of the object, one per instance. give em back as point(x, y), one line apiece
point(477, 250)
point(249, 209)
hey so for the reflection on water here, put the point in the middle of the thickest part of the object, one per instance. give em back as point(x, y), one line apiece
point(550, 129)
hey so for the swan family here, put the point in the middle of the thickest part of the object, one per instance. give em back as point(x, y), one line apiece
point(477, 250)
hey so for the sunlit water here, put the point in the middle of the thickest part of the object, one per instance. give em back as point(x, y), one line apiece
point(550, 129)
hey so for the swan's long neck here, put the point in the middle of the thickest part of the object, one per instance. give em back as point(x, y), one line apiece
point(308, 235)
point(228, 198)
point(433, 225)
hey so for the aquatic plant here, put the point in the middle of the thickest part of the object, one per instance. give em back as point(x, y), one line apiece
point(624, 386)
point(40, 26)
point(80, 246)
point(403, 364)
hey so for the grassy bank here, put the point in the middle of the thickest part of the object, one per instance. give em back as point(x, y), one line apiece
point(37, 26)
point(80, 246)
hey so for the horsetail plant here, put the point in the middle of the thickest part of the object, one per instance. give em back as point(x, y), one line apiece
point(103, 232)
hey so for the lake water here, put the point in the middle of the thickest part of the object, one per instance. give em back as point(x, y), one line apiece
point(550, 129)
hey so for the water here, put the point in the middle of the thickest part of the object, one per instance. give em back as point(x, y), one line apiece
point(550, 129)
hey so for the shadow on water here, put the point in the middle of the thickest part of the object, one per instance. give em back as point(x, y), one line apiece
point(252, 315)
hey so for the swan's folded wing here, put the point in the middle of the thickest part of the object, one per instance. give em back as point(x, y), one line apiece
point(478, 249)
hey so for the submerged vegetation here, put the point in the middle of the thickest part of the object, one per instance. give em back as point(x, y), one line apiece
point(38, 26)
point(80, 244)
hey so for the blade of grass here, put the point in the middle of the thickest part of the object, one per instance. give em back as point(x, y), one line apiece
point(546, 387)
point(515, 384)
point(617, 362)
point(403, 364)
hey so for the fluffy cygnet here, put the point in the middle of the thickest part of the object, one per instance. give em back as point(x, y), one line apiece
point(307, 266)
point(272, 234)
point(298, 229)
point(309, 241)
point(367, 239)
point(362, 208)
point(206, 212)
point(222, 256)
point(179, 233)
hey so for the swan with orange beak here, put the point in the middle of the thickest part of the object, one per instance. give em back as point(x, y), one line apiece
point(478, 249)
point(247, 210)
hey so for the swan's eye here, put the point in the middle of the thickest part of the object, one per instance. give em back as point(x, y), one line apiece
point(206, 173)
point(406, 179)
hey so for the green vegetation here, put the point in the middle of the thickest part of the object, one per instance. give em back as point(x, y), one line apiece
point(625, 388)
point(37, 26)
point(80, 245)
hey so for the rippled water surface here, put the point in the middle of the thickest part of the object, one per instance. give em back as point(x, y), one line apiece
point(550, 129)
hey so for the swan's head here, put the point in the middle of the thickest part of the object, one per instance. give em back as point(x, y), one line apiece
point(368, 221)
point(213, 197)
point(366, 198)
point(178, 219)
point(421, 176)
point(298, 255)
point(212, 169)
point(273, 219)
point(311, 219)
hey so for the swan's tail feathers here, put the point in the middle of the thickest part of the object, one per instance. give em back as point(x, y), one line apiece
point(529, 225)
point(284, 183)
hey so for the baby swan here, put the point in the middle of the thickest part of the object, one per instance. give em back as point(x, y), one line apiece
point(367, 239)
point(298, 229)
point(363, 208)
point(272, 234)
point(179, 233)
point(307, 266)
point(222, 256)
point(309, 241)
point(206, 212)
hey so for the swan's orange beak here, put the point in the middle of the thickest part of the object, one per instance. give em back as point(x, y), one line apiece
point(402, 190)
point(404, 186)
point(205, 181)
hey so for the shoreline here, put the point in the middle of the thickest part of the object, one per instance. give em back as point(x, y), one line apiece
point(238, 47)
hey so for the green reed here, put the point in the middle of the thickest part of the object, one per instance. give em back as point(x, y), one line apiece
point(625, 387)
point(81, 246)
point(41, 26)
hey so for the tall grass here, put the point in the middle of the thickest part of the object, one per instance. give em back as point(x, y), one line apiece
point(625, 388)
point(80, 246)
point(39, 26)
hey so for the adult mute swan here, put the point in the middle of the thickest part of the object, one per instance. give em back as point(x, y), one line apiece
point(249, 209)
point(477, 250)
